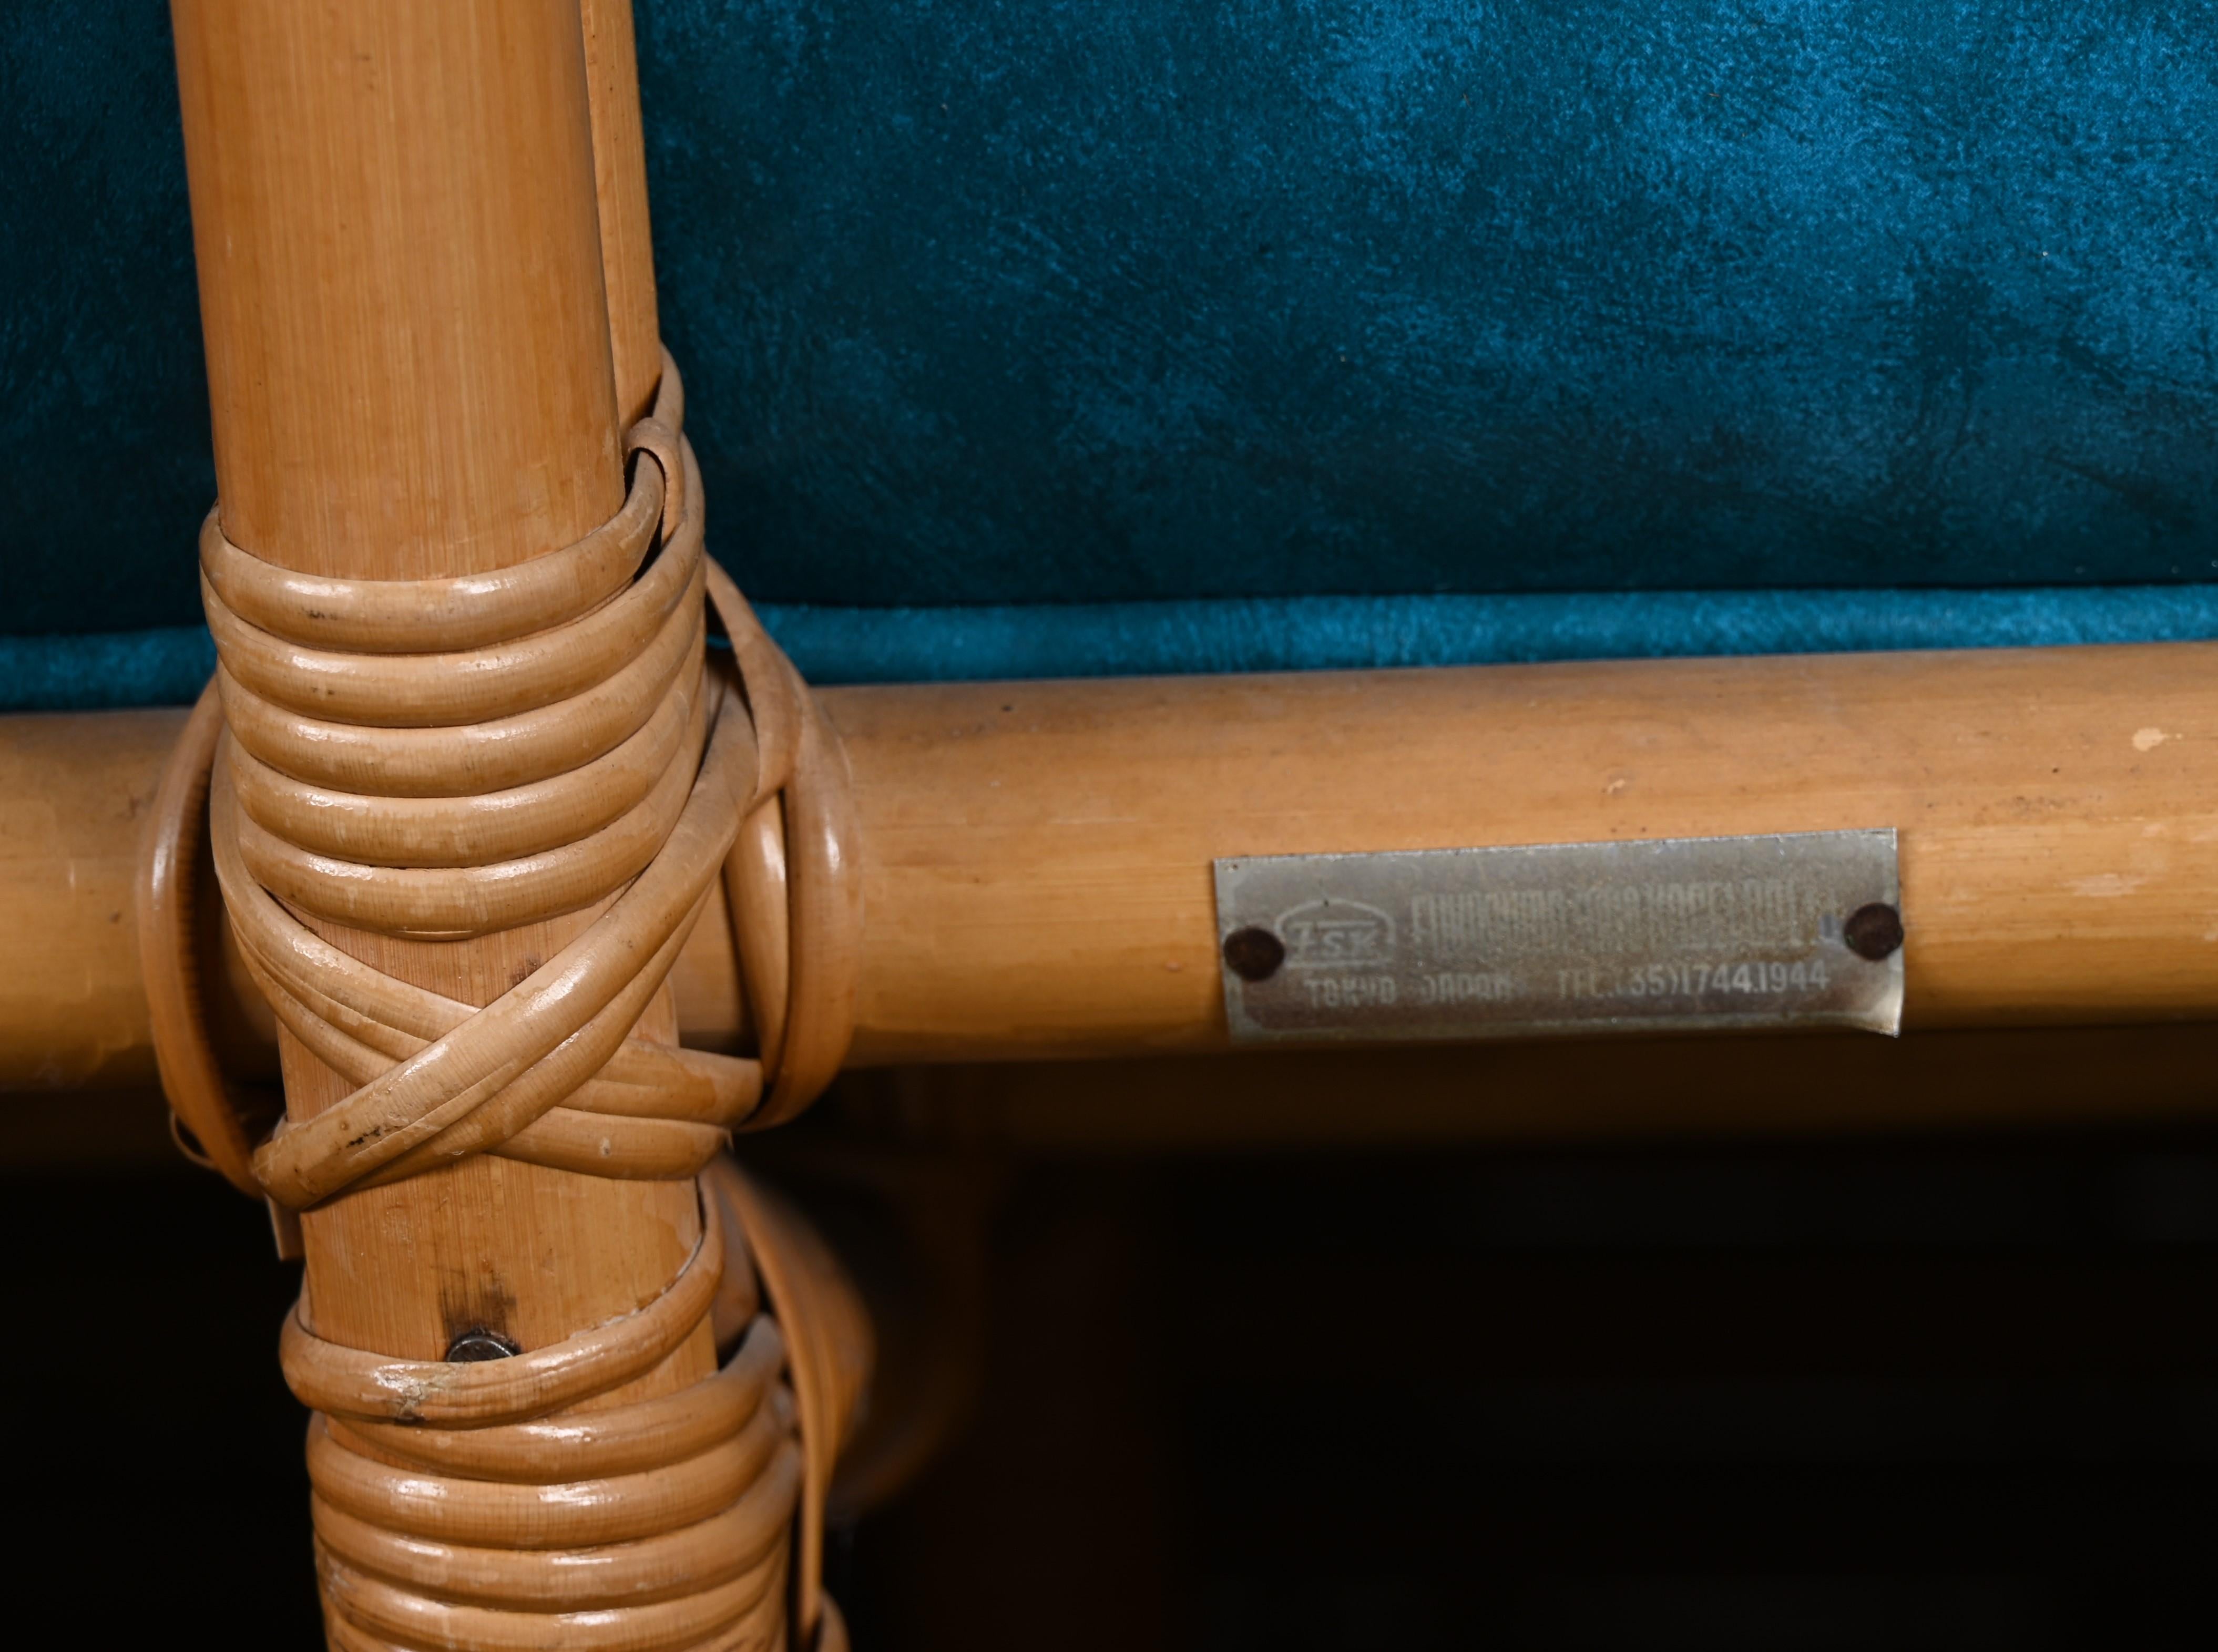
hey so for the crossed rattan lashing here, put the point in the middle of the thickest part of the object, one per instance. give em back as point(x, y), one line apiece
point(444, 759)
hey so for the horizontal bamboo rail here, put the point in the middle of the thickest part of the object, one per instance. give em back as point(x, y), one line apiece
point(1037, 857)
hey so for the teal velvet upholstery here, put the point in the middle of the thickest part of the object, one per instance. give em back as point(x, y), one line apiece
point(1087, 338)
point(850, 644)
point(1064, 301)
point(105, 471)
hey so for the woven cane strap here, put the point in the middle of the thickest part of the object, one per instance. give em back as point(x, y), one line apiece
point(444, 759)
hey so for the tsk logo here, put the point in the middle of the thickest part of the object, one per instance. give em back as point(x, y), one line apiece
point(1336, 935)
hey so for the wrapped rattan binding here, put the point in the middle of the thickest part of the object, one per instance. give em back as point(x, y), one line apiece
point(437, 759)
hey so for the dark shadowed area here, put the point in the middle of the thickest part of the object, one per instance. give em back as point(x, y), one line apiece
point(1947, 1394)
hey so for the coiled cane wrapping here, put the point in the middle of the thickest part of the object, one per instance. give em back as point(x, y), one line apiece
point(444, 759)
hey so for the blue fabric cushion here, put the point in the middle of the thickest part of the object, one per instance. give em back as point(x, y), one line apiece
point(105, 471)
point(848, 643)
point(1060, 301)
point(985, 304)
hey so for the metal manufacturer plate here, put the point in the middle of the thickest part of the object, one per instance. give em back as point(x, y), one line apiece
point(1802, 930)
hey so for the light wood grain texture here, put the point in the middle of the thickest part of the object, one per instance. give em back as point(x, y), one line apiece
point(620, 187)
point(1037, 857)
point(411, 372)
point(400, 284)
point(73, 792)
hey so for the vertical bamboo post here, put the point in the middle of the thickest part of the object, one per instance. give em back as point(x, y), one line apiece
point(410, 365)
point(620, 187)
